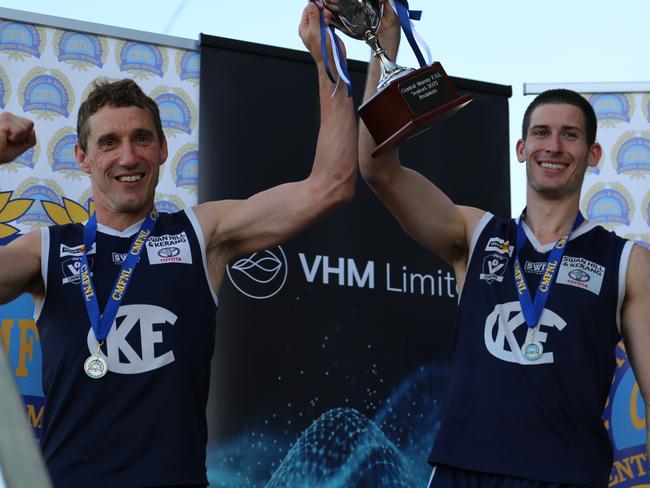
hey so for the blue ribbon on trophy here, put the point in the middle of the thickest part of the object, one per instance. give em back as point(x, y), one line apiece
point(339, 58)
point(406, 18)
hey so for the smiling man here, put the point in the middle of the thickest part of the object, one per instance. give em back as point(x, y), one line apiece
point(126, 303)
point(545, 299)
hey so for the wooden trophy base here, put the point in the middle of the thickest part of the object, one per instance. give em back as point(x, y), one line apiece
point(409, 103)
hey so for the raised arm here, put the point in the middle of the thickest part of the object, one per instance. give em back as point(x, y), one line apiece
point(425, 212)
point(20, 268)
point(635, 323)
point(16, 136)
point(20, 261)
point(233, 227)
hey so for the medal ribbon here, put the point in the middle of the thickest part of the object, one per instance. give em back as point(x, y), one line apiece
point(532, 310)
point(101, 323)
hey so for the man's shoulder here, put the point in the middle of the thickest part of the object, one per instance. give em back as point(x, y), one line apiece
point(598, 232)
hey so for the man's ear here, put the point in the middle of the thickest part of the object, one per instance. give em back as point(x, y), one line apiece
point(82, 159)
point(164, 151)
point(520, 147)
point(595, 153)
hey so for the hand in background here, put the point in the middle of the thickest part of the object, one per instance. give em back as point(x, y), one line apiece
point(17, 135)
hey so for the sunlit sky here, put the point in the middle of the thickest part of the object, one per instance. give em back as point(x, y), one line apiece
point(510, 42)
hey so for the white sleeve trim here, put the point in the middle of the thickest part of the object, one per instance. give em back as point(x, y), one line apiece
point(477, 232)
point(622, 276)
point(487, 216)
point(204, 258)
point(433, 473)
point(45, 259)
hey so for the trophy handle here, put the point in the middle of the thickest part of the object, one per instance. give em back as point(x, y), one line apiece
point(390, 70)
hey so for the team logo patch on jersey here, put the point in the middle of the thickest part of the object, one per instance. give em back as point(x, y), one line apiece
point(75, 251)
point(71, 265)
point(531, 267)
point(496, 244)
point(581, 273)
point(118, 258)
point(494, 267)
point(169, 249)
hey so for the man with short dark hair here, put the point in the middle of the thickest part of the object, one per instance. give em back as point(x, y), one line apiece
point(126, 303)
point(535, 339)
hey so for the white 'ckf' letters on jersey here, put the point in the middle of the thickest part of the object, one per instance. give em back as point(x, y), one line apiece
point(501, 324)
point(118, 347)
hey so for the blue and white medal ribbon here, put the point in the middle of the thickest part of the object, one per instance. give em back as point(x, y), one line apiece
point(532, 309)
point(96, 365)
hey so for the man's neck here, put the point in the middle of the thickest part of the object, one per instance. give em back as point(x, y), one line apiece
point(551, 220)
point(119, 221)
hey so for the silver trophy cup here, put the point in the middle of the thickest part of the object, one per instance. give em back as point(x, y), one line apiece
point(408, 100)
point(360, 19)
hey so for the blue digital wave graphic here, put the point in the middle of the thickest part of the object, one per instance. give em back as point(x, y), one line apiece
point(343, 447)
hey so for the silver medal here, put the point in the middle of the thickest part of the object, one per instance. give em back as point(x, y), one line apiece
point(532, 350)
point(96, 365)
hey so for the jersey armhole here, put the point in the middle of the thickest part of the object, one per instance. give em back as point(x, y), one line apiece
point(622, 276)
point(204, 257)
point(487, 216)
point(45, 259)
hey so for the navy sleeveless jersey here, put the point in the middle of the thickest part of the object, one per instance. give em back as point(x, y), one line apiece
point(542, 419)
point(143, 424)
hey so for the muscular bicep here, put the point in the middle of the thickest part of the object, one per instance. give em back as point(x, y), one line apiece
point(235, 227)
point(20, 267)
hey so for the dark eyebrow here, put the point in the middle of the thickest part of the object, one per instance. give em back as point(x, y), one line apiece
point(564, 127)
point(143, 132)
point(572, 127)
point(112, 135)
point(106, 137)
